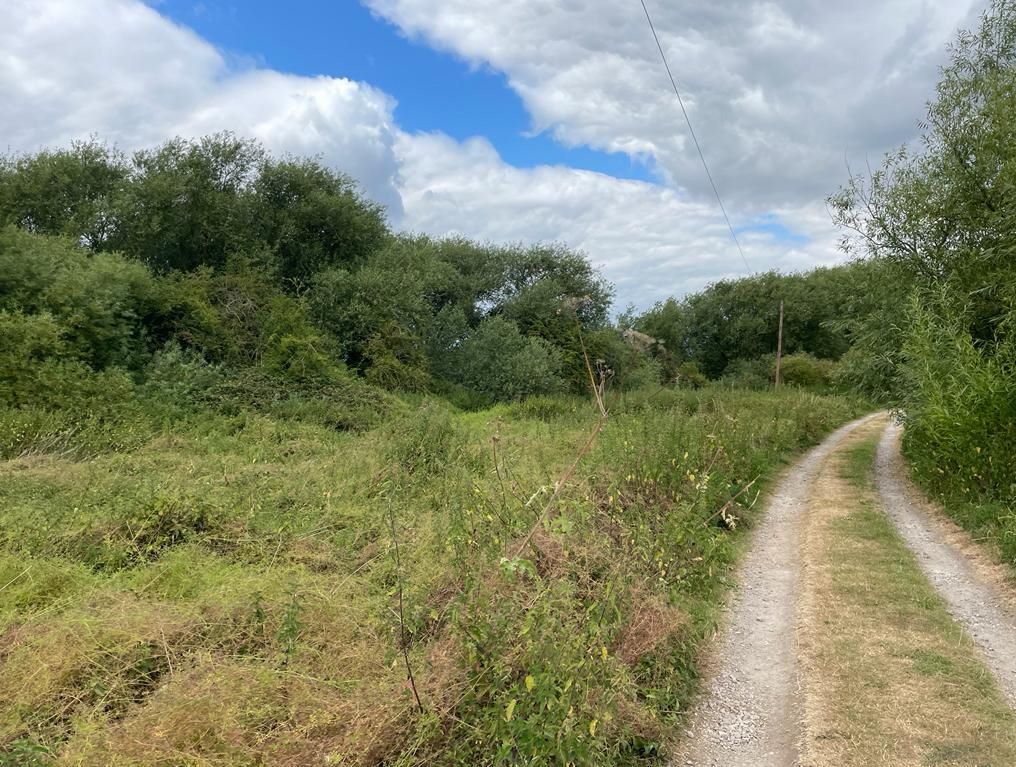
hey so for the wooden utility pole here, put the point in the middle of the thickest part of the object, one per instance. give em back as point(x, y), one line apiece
point(779, 346)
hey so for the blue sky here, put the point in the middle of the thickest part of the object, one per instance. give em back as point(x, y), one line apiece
point(436, 91)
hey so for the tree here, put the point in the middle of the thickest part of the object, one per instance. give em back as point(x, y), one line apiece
point(72, 192)
point(737, 320)
point(498, 361)
point(311, 218)
point(535, 283)
point(101, 301)
point(187, 203)
point(946, 213)
point(942, 222)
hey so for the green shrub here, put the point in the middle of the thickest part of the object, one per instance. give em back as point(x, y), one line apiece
point(459, 396)
point(689, 375)
point(548, 408)
point(756, 374)
point(98, 299)
point(807, 371)
point(960, 404)
point(497, 360)
point(343, 402)
point(427, 441)
point(175, 380)
point(397, 363)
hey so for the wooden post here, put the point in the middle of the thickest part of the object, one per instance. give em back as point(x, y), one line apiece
point(779, 346)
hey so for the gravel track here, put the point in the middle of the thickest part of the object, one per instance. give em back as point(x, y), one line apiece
point(750, 713)
point(970, 591)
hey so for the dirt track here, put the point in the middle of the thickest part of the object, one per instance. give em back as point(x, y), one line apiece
point(751, 713)
point(973, 587)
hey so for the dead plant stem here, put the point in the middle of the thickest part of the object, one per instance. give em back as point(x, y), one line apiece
point(402, 609)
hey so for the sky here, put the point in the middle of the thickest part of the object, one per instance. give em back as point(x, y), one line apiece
point(521, 121)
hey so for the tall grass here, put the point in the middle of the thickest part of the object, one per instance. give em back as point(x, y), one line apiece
point(224, 591)
point(960, 414)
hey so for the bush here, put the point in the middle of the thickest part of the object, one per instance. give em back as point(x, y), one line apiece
point(176, 379)
point(33, 371)
point(806, 371)
point(756, 374)
point(341, 402)
point(427, 441)
point(688, 374)
point(959, 404)
point(873, 372)
point(498, 361)
point(98, 300)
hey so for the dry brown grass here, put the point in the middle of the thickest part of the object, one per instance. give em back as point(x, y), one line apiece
point(551, 557)
point(891, 679)
point(651, 623)
point(231, 711)
point(100, 660)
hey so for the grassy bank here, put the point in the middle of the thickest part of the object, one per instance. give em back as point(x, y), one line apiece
point(227, 589)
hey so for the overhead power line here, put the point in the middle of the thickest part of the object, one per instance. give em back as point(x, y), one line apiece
point(694, 138)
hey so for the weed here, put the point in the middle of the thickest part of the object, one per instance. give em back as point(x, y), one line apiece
point(290, 627)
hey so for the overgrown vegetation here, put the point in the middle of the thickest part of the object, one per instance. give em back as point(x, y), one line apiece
point(225, 592)
point(228, 390)
point(941, 223)
point(217, 258)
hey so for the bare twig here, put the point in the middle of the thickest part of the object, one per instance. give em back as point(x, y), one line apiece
point(402, 611)
point(729, 502)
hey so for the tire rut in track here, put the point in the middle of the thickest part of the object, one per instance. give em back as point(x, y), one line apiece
point(750, 713)
point(964, 579)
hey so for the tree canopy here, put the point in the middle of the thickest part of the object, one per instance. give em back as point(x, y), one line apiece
point(249, 260)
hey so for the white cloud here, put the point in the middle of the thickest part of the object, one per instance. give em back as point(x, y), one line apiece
point(349, 124)
point(777, 91)
point(120, 70)
point(650, 241)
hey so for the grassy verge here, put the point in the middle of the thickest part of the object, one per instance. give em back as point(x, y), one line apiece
point(892, 678)
point(226, 592)
point(991, 523)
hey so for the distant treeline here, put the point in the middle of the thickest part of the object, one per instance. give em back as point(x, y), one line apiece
point(224, 262)
point(729, 330)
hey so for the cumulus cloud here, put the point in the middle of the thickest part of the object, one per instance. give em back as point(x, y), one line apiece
point(119, 70)
point(779, 92)
point(650, 241)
